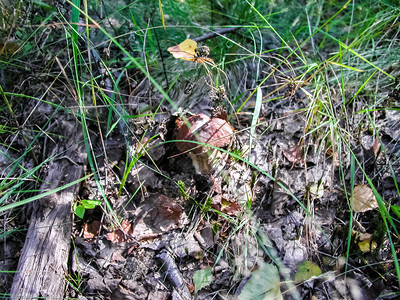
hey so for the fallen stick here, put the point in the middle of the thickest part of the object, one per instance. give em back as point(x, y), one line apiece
point(216, 33)
point(42, 268)
point(175, 277)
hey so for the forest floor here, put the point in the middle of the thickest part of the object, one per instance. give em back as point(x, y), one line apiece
point(302, 204)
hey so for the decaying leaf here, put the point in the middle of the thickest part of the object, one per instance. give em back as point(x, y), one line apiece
point(264, 284)
point(8, 48)
point(202, 278)
point(226, 206)
point(294, 154)
point(317, 190)
point(306, 270)
point(188, 50)
point(119, 236)
point(91, 230)
point(156, 215)
point(363, 199)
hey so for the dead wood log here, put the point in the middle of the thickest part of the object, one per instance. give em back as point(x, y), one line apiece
point(42, 267)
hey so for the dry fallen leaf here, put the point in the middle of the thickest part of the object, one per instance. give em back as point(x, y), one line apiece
point(117, 236)
point(367, 246)
point(8, 48)
point(185, 50)
point(226, 206)
point(156, 215)
point(376, 147)
point(363, 198)
point(294, 154)
point(91, 230)
point(188, 50)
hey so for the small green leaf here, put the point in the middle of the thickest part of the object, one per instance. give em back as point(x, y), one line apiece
point(207, 206)
point(306, 270)
point(264, 284)
point(182, 189)
point(79, 211)
point(90, 204)
point(202, 278)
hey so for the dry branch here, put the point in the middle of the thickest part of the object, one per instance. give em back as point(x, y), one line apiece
point(42, 267)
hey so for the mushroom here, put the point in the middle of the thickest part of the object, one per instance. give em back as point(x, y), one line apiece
point(215, 132)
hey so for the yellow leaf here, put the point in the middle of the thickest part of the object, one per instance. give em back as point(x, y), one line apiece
point(185, 50)
point(365, 245)
point(364, 241)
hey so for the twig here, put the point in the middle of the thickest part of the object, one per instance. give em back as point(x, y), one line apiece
point(215, 33)
point(174, 275)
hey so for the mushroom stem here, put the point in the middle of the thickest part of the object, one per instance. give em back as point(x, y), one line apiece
point(206, 163)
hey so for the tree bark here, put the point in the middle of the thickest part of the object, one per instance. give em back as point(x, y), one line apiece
point(42, 267)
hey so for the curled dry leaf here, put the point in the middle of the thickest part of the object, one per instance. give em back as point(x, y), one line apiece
point(376, 147)
point(363, 199)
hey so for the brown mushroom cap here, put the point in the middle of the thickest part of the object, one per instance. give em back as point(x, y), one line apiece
point(216, 132)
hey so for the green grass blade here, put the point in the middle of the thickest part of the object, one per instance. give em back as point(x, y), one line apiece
point(254, 120)
point(34, 198)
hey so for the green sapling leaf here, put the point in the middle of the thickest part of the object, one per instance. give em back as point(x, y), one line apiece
point(90, 204)
point(79, 211)
point(306, 270)
point(264, 284)
point(202, 278)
